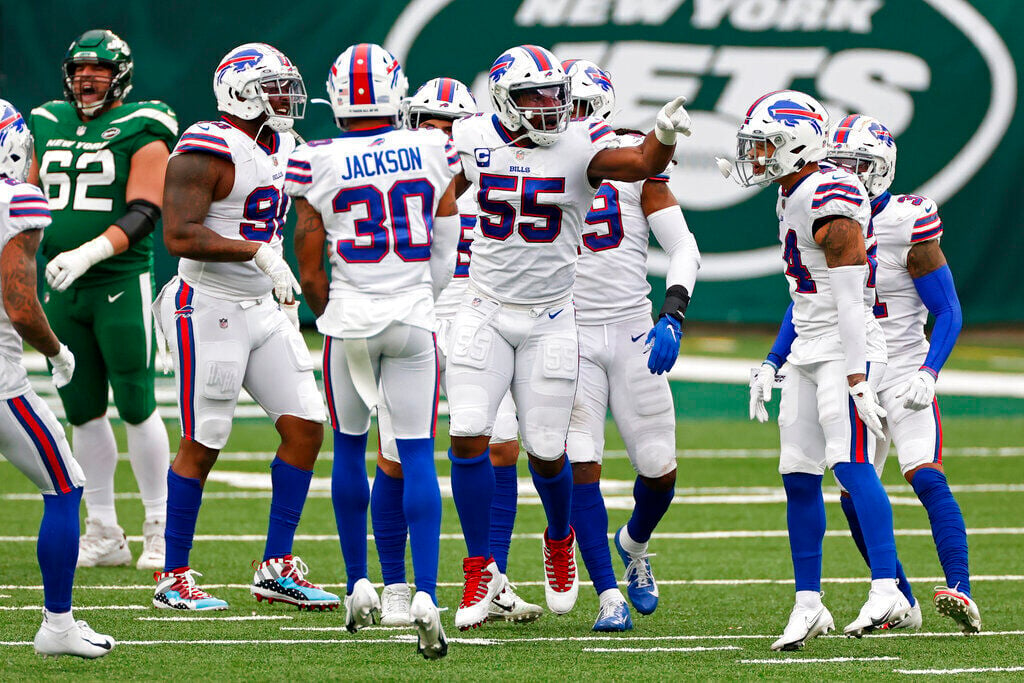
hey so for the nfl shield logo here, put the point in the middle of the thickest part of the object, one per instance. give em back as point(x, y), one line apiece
point(223, 323)
point(520, 155)
point(81, 131)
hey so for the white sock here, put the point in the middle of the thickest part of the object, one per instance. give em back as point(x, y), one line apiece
point(808, 599)
point(629, 545)
point(96, 451)
point(58, 621)
point(611, 595)
point(150, 455)
point(884, 586)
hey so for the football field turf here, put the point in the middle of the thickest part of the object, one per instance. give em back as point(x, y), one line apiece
point(722, 562)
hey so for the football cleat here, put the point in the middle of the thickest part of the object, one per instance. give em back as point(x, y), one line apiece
point(562, 583)
point(394, 601)
point(613, 617)
point(804, 623)
point(79, 641)
point(641, 589)
point(508, 606)
point(152, 556)
point(430, 639)
point(362, 606)
point(959, 607)
point(103, 546)
point(482, 584)
point(178, 590)
point(282, 579)
point(912, 620)
point(882, 607)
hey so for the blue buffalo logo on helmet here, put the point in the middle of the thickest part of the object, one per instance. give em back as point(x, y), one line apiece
point(882, 134)
point(10, 120)
point(791, 113)
point(500, 66)
point(239, 61)
point(599, 77)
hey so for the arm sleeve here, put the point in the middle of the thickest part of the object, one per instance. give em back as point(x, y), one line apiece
point(298, 176)
point(443, 249)
point(674, 236)
point(28, 209)
point(783, 341)
point(847, 284)
point(939, 296)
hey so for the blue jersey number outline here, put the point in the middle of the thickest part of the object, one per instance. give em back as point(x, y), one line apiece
point(529, 205)
point(380, 216)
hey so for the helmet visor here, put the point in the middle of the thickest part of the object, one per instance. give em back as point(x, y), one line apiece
point(544, 108)
point(285, 96)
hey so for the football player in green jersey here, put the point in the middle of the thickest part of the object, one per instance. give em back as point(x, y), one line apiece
point(101, 161)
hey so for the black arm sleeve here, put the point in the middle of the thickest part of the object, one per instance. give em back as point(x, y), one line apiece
point(140, 219)
point(676, 301)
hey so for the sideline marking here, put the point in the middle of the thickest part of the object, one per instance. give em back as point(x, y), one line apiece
point(661, 649)
point(822, 660)
point(977, 670)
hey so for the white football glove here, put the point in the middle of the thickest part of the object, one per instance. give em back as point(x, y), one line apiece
point(672, 119)
point(292, 311)
point(63, 366)
point(68, 266)
point(761, 381)
point(919, 392)
point(285, 284)
point(867, 407)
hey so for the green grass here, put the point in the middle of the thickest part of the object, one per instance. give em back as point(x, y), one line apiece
point(686, 610)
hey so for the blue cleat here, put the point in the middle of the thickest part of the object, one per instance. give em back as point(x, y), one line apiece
point(178, 590)
point(641, 589)
point(282, 579)
point(613, 617)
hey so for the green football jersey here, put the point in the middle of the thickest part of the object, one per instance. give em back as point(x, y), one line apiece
point(83, 169)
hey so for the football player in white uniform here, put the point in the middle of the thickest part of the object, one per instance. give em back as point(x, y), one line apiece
point(224, 211)
point(438, 103)
point(911, 280)
point(830, 416)
point(381, 200)
point(31, 438)
point(614, 317)
point(536, 174)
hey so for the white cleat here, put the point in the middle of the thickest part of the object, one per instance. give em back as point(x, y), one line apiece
point(103, 546)
point(804, 624)
point(959, 607)
point(152, 556)
point(362, 607)
point(508, 606)
point(562, 581)
point(394, 609)
point(482, 584)
point(912, 620)
point(431, 641)
point(883, 607)
point(79, 640)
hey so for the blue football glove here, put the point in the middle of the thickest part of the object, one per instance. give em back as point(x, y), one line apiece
point(663, 343)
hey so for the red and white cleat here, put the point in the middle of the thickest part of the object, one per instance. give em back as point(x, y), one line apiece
point(483, 583)
point(959, 607)
point(562, 584)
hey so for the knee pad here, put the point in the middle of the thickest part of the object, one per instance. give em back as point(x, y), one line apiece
point(212, 431)
point(468, 411)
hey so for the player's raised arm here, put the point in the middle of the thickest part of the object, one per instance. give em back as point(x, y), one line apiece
point(310, 238)
point(633, 164)
point(193, 182)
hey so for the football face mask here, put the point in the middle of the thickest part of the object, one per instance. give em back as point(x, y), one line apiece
point(544, 108)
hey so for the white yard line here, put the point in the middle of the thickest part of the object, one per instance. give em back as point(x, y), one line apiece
point(660, 649)
point(253, 617)
point(822, 660)
point(975, 670)
point(77, 608)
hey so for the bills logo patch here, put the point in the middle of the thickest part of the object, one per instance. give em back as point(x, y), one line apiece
point(790, 113)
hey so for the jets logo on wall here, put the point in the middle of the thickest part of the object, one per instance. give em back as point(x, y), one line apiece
point(855, 56)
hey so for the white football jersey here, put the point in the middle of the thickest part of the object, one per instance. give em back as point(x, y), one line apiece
point(448, 302)
point(377, 191)
point(611, 274)
point(22, 207)
point(254, 210)
point(826, 192)
point(900, 221)
point(533, 202)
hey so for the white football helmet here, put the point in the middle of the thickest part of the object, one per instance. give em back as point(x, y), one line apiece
point(250, 76)
point(366, 81)
point(783, 131)
point(15, 143)
point(439, 98)
point(590, 87)
point(865, 147)
point(531, 71)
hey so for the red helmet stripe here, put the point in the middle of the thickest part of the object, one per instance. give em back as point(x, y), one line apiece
point(360, 77)
point(540, 56)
